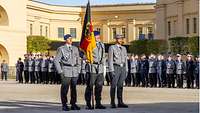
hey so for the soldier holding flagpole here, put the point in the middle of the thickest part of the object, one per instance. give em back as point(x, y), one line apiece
point(87, 46)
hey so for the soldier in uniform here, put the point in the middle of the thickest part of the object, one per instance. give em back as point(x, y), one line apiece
point(180, 68)
point(37, 69)
point(134, 70)
point(144, 68)
point(161, 68)
point(20, 68)
point(196, 72)
point(4, 70)
point(189, 71)
point(128, 78)
point(96, 74)
point(83, 72)
point(170, 71)
point(118, 66)
point(31, 68)
point(44, 69)
point(68, 65)
point(152, 71)
point(26, 76)
point(51, 70)
point(108, 78)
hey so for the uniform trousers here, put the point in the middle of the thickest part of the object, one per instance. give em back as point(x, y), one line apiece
point(67, 82)
point(118, 78)
point(97, 80)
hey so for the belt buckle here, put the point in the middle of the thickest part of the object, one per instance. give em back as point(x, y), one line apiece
point(121, 65)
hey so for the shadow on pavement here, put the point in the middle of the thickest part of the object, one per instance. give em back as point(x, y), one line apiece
point(49, 107)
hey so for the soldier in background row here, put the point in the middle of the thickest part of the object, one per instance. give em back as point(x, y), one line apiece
point(83, 72)
point(128, 78)
point(107, 77)
point(144, 71)
point(26, 76)
point(31, 69)
point(161, 71)
point(135, 70)
point(196, 72)
point(152, 71)
point(170, 71)
point(51, 70)
point(37, 69)
point(189, 71)
point(44, 70)
point(4, 70)
point(180, 69)
point(19, 69)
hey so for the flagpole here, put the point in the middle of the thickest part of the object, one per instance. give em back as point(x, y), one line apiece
point(93, 106)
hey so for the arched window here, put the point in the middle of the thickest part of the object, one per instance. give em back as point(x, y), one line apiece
point(3, 17)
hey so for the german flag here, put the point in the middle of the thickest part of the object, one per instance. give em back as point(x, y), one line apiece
point(88, 42)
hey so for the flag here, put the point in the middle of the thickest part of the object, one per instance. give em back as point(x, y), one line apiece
point(88, 42)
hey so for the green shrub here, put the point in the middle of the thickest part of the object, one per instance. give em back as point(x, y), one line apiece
point(193, 45)
point(184, 45)
point(37, 44)
point(148, 46)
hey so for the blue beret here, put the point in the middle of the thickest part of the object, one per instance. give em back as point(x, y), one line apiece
point(96, 33)
point(118, 36)
point(67, 36)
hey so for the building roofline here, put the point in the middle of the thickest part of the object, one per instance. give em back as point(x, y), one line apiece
point(99, 5)
point(122, 4)
point(52, 4)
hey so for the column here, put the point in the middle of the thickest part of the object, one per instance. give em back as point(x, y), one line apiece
point(131, 30)
point(106, 33)
point(180, 23)
point(161, 22)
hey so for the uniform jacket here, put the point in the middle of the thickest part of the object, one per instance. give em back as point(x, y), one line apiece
point(30, 65)
point(51, 66)
point(152, 66)
point(99, 59)
point(117, 55)
point(180, 67)
point(4, 67)
point(37, 64)
point(44, 65)
point(144, 67)
point(67, 61)
point(20, 66)
point(171, 67)
point(134, 66)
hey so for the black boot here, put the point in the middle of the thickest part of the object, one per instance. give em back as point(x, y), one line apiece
point(121, 104)
point(75, 107)
point(65, 108)
point(89, 107)
point(113, 105)
point(100, 106)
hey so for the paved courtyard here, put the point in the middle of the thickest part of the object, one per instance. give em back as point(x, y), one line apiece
point(30, 98)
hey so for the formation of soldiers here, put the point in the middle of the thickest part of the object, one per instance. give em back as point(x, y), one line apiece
point(37, 69)
point(69, 69)
point(159, 71)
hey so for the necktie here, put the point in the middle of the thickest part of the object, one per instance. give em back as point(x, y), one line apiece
point(120, 53)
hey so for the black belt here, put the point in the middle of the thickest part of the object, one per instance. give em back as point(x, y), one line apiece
point(120, 65)
point(69, 65)
point(97, 63)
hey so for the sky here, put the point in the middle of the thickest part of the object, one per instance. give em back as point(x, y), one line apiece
point(93, 2)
